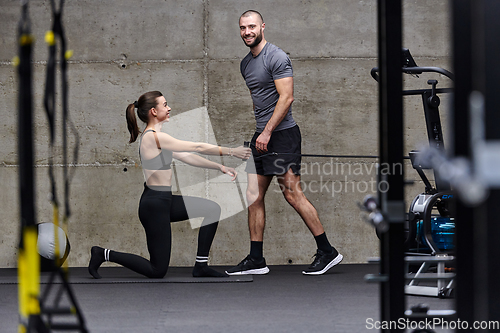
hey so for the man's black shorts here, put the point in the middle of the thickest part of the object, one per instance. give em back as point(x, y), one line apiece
point(287, 146)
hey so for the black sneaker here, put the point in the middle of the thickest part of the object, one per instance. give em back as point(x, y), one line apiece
point(323, 262)
point(249, 266)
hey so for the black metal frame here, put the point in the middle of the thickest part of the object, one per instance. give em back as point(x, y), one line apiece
point(25, 155)
point(392, 298)
point(431, 102)
point(476, 51)
point(464, 231)
point(25, 127)
point(491, 72)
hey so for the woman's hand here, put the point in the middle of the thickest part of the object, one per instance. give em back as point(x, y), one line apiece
point(229, 171)
point(242, 152)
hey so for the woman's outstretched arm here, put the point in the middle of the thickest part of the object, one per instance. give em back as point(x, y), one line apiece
point(169, 142)
point(201, 162)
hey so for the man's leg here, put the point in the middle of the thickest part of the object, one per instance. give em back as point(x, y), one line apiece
point(326, 256)
point(292, 190)
point(255, 263)
point(256, 192)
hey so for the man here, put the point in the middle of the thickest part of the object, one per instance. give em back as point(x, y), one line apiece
point(268, 73)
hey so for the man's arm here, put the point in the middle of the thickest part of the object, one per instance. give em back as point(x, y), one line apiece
point(284, 87)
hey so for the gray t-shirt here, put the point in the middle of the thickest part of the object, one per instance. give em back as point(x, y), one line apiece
point(259, 73)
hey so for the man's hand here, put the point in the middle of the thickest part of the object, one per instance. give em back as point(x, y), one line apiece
point(262, 141)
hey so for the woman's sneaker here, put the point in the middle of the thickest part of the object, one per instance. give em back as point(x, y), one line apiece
point(323, 262)
point(249, 266)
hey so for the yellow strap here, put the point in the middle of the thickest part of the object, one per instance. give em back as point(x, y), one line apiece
point(65, 263)
point(22, 328)
point(26, 39)
point(29, 274)
point(50, 38)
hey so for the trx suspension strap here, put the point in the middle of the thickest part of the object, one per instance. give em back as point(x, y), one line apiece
point(51, 37)
point(28, 259)
point(51, 306)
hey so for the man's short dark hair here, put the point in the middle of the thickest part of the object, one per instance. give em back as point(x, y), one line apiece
point(250, 12)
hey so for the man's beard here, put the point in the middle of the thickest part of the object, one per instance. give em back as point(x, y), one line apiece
point(256, 41)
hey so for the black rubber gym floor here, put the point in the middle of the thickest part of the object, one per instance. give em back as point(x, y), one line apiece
point(282, 301)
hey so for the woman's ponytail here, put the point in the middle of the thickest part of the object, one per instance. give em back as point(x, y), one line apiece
point(132, 123)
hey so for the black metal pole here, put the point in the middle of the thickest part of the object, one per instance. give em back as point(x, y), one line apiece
point(391, 197)
point(491, 74)
point(476, 49)
point(28, 262)
point(25, 129)
point(460, 142)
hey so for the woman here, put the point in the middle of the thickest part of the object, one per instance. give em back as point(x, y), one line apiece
point(158, 207)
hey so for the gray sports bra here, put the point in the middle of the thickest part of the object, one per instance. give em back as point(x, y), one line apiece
point(159, 162)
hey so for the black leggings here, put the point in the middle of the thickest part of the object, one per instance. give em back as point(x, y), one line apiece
point(157, 209)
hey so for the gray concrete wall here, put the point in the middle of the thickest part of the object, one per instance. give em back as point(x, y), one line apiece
point(190, 50)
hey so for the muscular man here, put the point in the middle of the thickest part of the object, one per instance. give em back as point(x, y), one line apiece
point(268, 73)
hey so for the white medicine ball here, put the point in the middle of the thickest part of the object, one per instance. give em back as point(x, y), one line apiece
point(46, 241)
